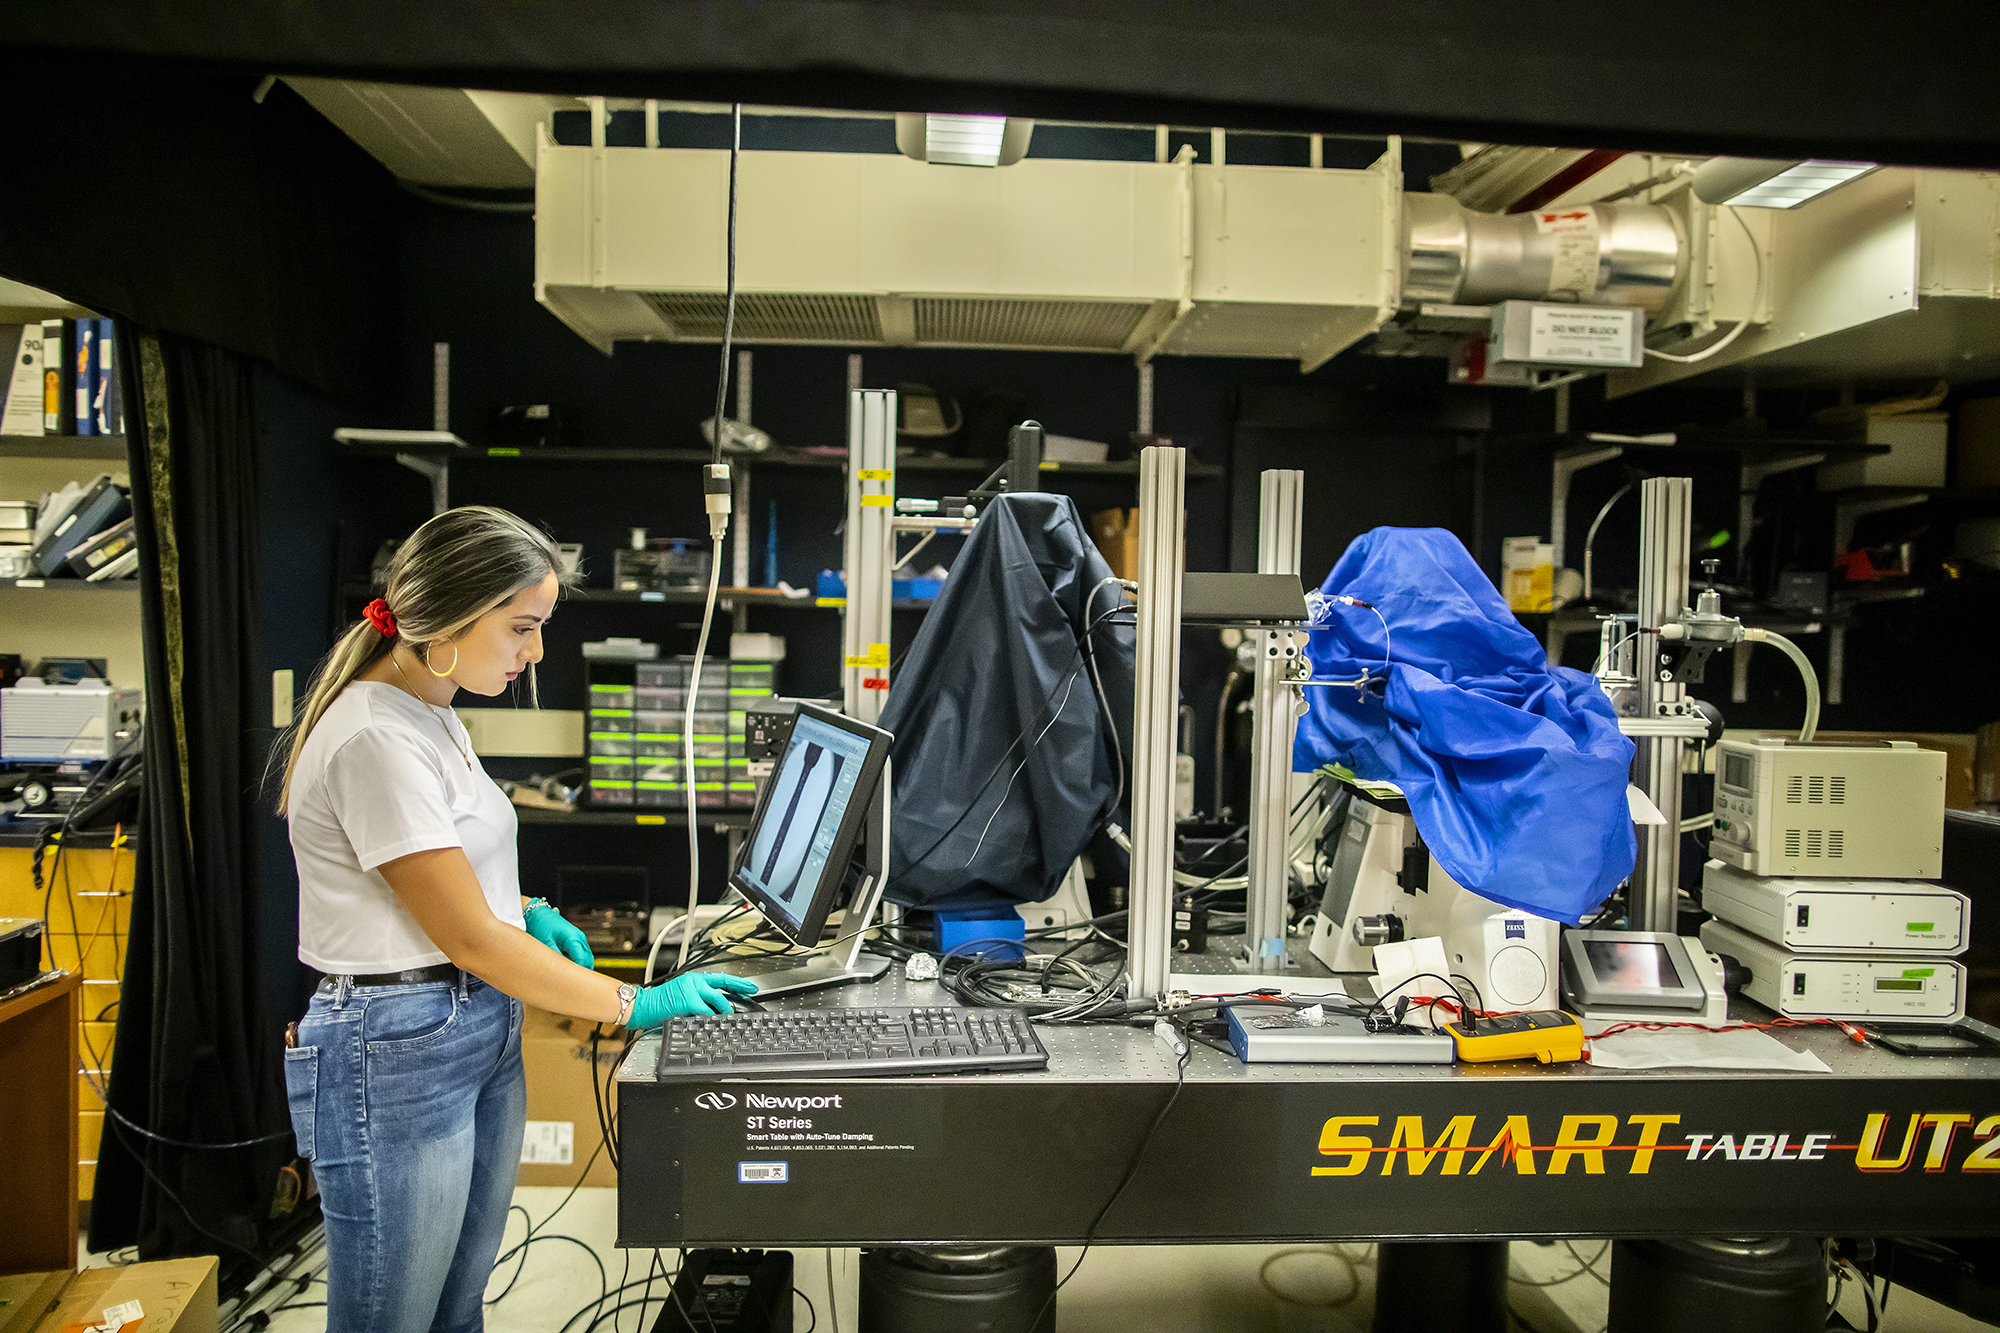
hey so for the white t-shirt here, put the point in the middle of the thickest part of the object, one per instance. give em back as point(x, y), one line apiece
point(378, 779)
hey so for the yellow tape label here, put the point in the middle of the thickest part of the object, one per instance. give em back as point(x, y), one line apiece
point(877, 501)
point(876, 474)
point(876, 656)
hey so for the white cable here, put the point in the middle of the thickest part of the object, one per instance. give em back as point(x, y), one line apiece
point(1756, 303)
point(1017, 770)
point(653, 954)
point(716, 492)
point(1367, 677)
point(687, 750)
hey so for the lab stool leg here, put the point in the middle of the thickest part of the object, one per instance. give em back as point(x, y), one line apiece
point(1441, 1286)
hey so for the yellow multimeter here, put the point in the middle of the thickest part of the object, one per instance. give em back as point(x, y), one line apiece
point(1549, 1035)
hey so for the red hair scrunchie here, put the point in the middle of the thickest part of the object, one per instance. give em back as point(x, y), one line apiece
point(377, 614)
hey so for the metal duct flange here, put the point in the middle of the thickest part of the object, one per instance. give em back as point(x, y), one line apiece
point(1612, 254)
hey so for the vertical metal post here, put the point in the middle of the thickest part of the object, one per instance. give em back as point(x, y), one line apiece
point(1665, 504)
point(1024, 458)
point(870, 551)
point(1274, 722)
point(1146, 398)
point(440, 386)
point(1156, 695)
point(739, 526)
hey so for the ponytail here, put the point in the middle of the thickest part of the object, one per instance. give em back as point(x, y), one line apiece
point(359, 649)
point(459, 566)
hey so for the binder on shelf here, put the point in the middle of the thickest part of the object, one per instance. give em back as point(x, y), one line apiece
point(83, 375)
point(23, 412)
point(102, 505)
point(95, 552)
point(107, 403)
point(52, 377)
point(123, 567)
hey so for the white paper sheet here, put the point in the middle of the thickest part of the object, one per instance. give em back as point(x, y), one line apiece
point(1692, 1048)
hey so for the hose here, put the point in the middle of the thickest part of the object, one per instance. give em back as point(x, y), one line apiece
point(1236, 673)
point(1590, 538)
point(1806, 674)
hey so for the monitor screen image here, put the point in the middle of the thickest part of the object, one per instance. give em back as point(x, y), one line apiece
point(799, 823)
point(1633, 964)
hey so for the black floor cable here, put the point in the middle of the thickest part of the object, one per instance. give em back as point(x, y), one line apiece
point(1131, 1171)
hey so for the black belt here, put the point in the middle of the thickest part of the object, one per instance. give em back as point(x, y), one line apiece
point(415, 976)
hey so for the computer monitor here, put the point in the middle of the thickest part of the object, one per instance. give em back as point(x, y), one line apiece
point(827, 788)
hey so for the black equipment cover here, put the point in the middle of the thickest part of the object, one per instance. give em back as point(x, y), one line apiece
point(1003, 757)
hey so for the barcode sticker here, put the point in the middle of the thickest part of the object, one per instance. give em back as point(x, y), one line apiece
point(117, 1316)
point(762, 1173)
point(549, 1143)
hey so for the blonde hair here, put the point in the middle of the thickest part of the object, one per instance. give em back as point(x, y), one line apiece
point(456, 568)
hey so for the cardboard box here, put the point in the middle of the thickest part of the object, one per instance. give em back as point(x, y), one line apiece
point(1916, 454)
point(1527, 574)
point(1116, 532)
point(174, 1296)
point(563, 1128)
point(1986, 768)
point(26, 1297)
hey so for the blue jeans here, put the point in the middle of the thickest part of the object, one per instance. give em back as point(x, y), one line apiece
point(410, 1103)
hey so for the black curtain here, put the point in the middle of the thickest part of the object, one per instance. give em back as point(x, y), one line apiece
point(1838, 79)
point(195, 1064)
point(201, 212)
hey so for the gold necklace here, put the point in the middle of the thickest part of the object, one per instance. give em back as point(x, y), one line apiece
point(411, 690)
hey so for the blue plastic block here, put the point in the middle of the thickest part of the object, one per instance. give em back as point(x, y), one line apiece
point(955, 929)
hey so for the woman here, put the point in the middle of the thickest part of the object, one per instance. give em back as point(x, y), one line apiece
point(404, 1076)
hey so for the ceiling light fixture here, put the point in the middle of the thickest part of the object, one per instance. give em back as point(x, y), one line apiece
point(1748, 182)
point(963, 141)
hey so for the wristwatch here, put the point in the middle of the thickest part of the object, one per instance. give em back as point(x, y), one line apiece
point(627, 993)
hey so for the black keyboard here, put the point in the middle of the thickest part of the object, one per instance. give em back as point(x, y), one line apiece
point(848, 1043)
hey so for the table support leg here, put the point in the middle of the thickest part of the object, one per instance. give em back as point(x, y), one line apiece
point(1716, 1284)
point(1441, 1286)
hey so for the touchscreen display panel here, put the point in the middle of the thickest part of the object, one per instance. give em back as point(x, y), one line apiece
point(1638, 965)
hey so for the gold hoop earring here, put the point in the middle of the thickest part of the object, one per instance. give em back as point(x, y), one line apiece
point(448, 670)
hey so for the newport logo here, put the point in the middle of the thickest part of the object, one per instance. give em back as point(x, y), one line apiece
point(766, 1102)
point(715, 1101)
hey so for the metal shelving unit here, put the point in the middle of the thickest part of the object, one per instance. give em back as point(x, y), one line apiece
point(70, 584)
point(101, 448)
point(719, 819)
point(566, 456)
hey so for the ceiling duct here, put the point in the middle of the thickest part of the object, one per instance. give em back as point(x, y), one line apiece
point(874, 249)
point(1610, 254)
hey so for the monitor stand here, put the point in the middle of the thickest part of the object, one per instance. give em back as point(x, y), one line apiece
point(844, 962)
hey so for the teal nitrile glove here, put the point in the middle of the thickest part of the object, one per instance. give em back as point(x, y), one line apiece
point(549, 926)
point(686, 996)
